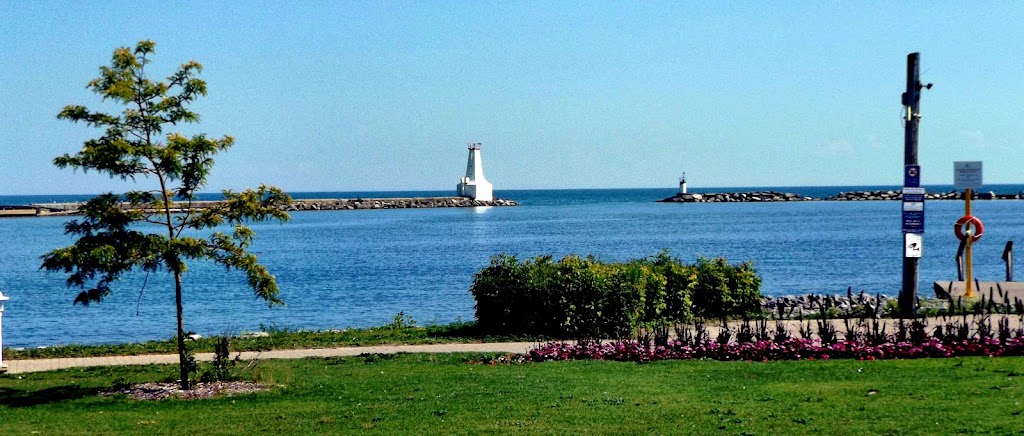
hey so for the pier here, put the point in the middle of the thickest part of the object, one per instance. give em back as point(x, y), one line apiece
point(38, 210)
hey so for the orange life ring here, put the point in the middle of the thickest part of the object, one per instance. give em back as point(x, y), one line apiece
point(969, 221)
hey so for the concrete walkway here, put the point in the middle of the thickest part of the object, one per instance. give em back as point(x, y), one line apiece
point(34, 365)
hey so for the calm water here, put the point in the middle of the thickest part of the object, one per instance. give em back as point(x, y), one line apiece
point(359, 268)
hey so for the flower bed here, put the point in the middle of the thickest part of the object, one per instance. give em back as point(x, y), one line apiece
point(791, 349)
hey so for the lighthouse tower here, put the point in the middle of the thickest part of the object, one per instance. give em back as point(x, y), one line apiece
point(474, 185)
point(682, 184)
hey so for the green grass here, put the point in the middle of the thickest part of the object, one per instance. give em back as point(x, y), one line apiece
point(438, 393)
point(399, 332)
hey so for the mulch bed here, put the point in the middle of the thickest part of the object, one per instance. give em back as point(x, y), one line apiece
point(161, 391)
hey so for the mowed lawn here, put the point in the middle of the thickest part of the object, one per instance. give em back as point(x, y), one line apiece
point(439, 393)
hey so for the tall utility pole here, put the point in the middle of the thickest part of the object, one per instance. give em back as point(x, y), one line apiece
point(912, 228)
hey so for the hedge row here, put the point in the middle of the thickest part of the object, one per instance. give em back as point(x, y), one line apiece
point(585, 298)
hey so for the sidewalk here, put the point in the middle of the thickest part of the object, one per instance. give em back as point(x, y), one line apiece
point(35, 365)
point(1014, 322)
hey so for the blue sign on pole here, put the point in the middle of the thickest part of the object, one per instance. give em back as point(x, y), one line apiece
point(913, 222)
point(913, 209)
point(912, 176)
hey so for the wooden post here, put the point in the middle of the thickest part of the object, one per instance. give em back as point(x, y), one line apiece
point(960, 260)
point(911, 100)
point(968, 258)
point(1008, 258)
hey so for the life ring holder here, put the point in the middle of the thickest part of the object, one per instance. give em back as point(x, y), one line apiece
point(969, 221)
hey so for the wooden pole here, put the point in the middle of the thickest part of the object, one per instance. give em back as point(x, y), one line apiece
point(969, 259)
point(960, 260)
point(1008, 258)
point(911, 99)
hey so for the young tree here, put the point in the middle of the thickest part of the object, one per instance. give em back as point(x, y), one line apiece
point(150, 229)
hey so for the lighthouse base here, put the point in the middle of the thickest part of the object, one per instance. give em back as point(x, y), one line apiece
point(480, 191)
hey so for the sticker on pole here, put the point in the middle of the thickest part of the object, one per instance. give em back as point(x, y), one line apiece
point(912, 176)
point(967, 174)
point(912, 244)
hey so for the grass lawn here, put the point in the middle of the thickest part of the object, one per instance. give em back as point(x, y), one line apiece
point(438, 393)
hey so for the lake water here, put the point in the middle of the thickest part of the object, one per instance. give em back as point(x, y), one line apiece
point(340, 269)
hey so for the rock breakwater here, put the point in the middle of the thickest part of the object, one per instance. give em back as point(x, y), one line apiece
point(59, 209)
point(393, 203)
point(897, 195)
point(772, 196)
point(735, 197)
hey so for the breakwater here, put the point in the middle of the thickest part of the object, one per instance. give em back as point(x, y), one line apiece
point(736, 197)
point(772, 196)
point(393, 203)
point(897, 195)
point(58, 209)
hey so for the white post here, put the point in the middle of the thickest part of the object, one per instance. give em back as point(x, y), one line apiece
point(3, 368)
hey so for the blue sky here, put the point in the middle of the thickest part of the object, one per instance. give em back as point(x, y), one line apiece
point(382, 95)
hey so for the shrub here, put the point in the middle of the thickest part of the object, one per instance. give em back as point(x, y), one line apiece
point(680, 281)
point(723, 290)
point(584, 298)
point(500, 289)
point(588, 292)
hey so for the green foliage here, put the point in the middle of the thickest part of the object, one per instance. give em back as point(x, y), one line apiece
point(585, 298)
point(114, 236)
point(220, 368)
point(402, 320)
point(723, 290)
point(497, 290)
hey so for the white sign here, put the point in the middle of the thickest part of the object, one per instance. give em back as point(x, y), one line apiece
point(919, 191)
point(967, 174)
point(912, 244)
point(913, 206)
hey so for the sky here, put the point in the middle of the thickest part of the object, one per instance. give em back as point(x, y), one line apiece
point(386, 95)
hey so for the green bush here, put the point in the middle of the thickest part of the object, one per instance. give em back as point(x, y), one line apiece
point(722, 290)
point(500, 289)
point(585, 298)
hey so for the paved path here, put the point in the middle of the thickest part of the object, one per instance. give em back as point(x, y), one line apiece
point(34, 365)
point(793, 326)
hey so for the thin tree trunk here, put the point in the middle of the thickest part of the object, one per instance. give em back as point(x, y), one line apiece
point(183, 364)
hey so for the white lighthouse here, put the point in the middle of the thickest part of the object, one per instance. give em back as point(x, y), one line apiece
point(474, 185)
point(682, 184)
